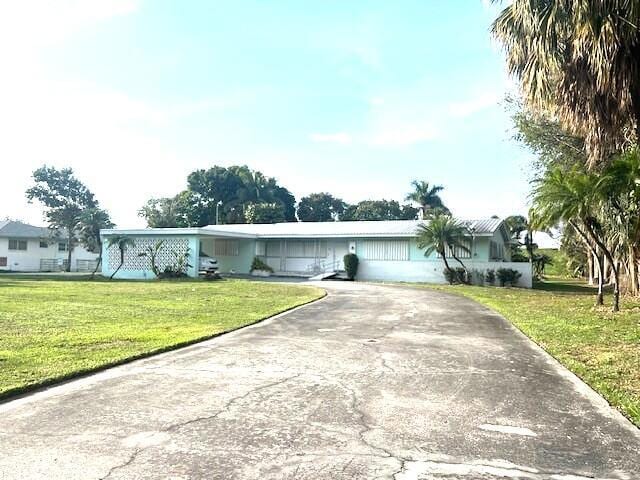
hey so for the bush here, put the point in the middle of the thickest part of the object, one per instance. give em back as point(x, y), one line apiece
point(456, 275)
point(508, 276)
point(258, 264)
point(449, 276)
point(477, 277)
point(351, 261)
point(490, 276)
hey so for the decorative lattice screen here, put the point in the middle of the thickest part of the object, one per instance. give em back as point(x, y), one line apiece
point(133, 260)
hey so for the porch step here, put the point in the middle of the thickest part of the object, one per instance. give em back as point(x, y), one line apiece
point(341, 275)
point(337, 275)
point(323, 276)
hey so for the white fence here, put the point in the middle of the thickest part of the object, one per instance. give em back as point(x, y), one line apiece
point(432, 271)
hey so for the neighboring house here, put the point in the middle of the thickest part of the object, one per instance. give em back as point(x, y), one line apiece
point(387, 250)
point(25, 248)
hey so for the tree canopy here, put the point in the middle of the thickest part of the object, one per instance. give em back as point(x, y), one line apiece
point(65, 199)
point(232, 191)
point(379, 210)
point(579, 62)
point(320, 207)
point(428, 197)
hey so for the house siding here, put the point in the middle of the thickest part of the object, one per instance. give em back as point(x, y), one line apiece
point(29, 260)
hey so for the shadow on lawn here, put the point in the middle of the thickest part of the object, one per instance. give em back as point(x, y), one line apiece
point(565, 285)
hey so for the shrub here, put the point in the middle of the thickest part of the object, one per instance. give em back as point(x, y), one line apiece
point(456, 275)
point(508, 276)
point(178, 269)
point(258, 264)
point(449, 276)
point(490, 276)
point(461, 276)
point(351, 261)
point(477, 277)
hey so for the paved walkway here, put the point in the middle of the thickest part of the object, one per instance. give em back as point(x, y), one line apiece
point(370, 382)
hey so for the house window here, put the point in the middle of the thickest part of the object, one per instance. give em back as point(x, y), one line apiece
point(62, 246)
point(463, 251)
point(385, 250)
point(226, 248)
point(3, 261)
point(273, 248)
point(496, 251)
point(306, 248)
point(15, 244)
point(44, 244)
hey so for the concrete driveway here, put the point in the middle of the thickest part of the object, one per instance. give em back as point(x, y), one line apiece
point(370, 382)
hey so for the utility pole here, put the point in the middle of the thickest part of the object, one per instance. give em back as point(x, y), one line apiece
point(217, 211)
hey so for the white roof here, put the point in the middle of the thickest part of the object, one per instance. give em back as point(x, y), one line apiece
point(385, 228)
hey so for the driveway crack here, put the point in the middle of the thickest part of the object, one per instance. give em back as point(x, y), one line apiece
point(179, 425)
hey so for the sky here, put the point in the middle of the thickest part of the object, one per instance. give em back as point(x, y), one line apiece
point(354, 98)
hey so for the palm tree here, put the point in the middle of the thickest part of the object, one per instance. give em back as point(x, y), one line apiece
point(517, 225)
point(619, 187)
point(579, 61)
point(427, 197)
point(444, 235)
point(122, 243)
point(92, 220)
point(572, 197)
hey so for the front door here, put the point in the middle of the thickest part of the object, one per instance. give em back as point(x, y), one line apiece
point(336, 250)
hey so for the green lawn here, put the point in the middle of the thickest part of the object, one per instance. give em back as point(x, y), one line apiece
point(55, 328)
point(600, 347)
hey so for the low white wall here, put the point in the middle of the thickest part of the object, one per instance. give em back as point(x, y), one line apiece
point(431, 271)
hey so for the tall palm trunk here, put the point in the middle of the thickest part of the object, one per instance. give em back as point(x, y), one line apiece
point(600, 264)
point(446, 263)
point(120, 265)
point(598, 260)
point(634, 286)
point(612, 265)
point(69, 251)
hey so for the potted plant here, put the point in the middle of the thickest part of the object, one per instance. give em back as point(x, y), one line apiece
point(260, 269)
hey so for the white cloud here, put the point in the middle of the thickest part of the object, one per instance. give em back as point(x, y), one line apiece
point(342, 138)
point(32, 23)
point(473, 105)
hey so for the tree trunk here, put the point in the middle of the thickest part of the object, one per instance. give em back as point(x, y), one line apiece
point(590, 266)
point(466, 272)
point(597, 258)
point(69, 251)
point(446, 264)
point(119, 266)
point(634, 286)
point(93, 274)
point(612, 265)
point(600, 295)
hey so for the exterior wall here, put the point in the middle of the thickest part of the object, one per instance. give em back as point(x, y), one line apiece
point(29, 260)
point(336, 249)
point(240, 263)
point(430, 269)
point(137, 267)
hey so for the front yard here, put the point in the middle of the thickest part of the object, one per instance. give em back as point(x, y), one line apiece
point(55, 328)
point(600, 347)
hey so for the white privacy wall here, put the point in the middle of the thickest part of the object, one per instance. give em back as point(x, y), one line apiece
point(431, 271)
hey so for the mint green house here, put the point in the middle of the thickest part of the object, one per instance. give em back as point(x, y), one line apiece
point(387, 250)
